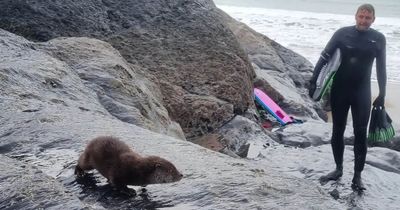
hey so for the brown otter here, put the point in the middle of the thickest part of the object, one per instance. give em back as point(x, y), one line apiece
point(122, 166)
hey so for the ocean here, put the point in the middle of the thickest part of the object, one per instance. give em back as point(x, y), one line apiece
point(305, 26)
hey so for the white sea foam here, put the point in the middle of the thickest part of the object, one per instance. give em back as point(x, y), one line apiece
point(307, 33)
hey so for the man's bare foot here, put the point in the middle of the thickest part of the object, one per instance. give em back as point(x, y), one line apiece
point(334, 175)
point(357, 183)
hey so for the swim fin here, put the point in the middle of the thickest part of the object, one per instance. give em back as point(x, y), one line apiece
point(380, 127)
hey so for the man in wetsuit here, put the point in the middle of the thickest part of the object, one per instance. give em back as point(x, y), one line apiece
point(351, 87)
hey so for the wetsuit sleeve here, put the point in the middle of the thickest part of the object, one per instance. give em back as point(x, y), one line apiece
point(381, 67)
point(325, 56)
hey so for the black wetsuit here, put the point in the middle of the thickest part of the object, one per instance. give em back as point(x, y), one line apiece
point(352, 87)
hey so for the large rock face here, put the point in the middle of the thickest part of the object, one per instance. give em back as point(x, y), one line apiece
point(81, 64)
point(50, 108)
point(184, 47)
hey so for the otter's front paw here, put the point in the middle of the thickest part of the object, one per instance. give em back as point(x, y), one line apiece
point(79, 172)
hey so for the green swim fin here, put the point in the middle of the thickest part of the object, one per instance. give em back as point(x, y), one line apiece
point(380, 127)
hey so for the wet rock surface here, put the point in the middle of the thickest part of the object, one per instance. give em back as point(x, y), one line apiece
point(240, 132)
point(120, 88)
point(184, 48)
point(57, 95)
point(53, 146)
point(65, 66)
point(381, 174)
point(23, 186)
point(310, 133)
point(235, 183)
point(49, 114)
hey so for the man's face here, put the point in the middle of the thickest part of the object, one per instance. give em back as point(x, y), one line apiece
point(364, 19)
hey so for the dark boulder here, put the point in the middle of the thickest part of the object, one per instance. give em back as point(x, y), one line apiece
point(183, 46)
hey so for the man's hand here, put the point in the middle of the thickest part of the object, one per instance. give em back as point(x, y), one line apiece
point(311, 89)
point(379, 101)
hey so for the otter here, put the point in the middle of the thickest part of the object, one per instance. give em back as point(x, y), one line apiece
point(122, 166)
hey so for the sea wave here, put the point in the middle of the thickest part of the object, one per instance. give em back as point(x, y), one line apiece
point(307, 32)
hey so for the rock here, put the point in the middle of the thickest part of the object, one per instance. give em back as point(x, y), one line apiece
point(179, 55)
point(243, 151)
point(335, 194)
point(315, 133)
point(239, 133)
point(23, 186)
point(213, 142)
point(391, 144)
point(281, 73)
point(49, 113)
point(384, 159)
point(308, 133)
point(229, 152)
point(182, 46)
point(69, 64)
point(380, 175)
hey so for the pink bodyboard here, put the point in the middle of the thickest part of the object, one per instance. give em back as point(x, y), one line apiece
point(268, 104)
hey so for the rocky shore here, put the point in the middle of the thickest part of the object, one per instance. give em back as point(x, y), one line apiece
point(161, 75)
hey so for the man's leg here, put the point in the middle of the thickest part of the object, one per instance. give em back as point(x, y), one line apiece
point(360, 112)
point(340, 109)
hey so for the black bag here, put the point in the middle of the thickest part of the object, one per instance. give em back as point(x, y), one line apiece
point(380, 126)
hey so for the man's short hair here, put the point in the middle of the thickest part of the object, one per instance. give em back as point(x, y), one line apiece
point(367, 7)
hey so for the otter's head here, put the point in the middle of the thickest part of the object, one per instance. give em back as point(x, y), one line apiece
point(163, 171)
